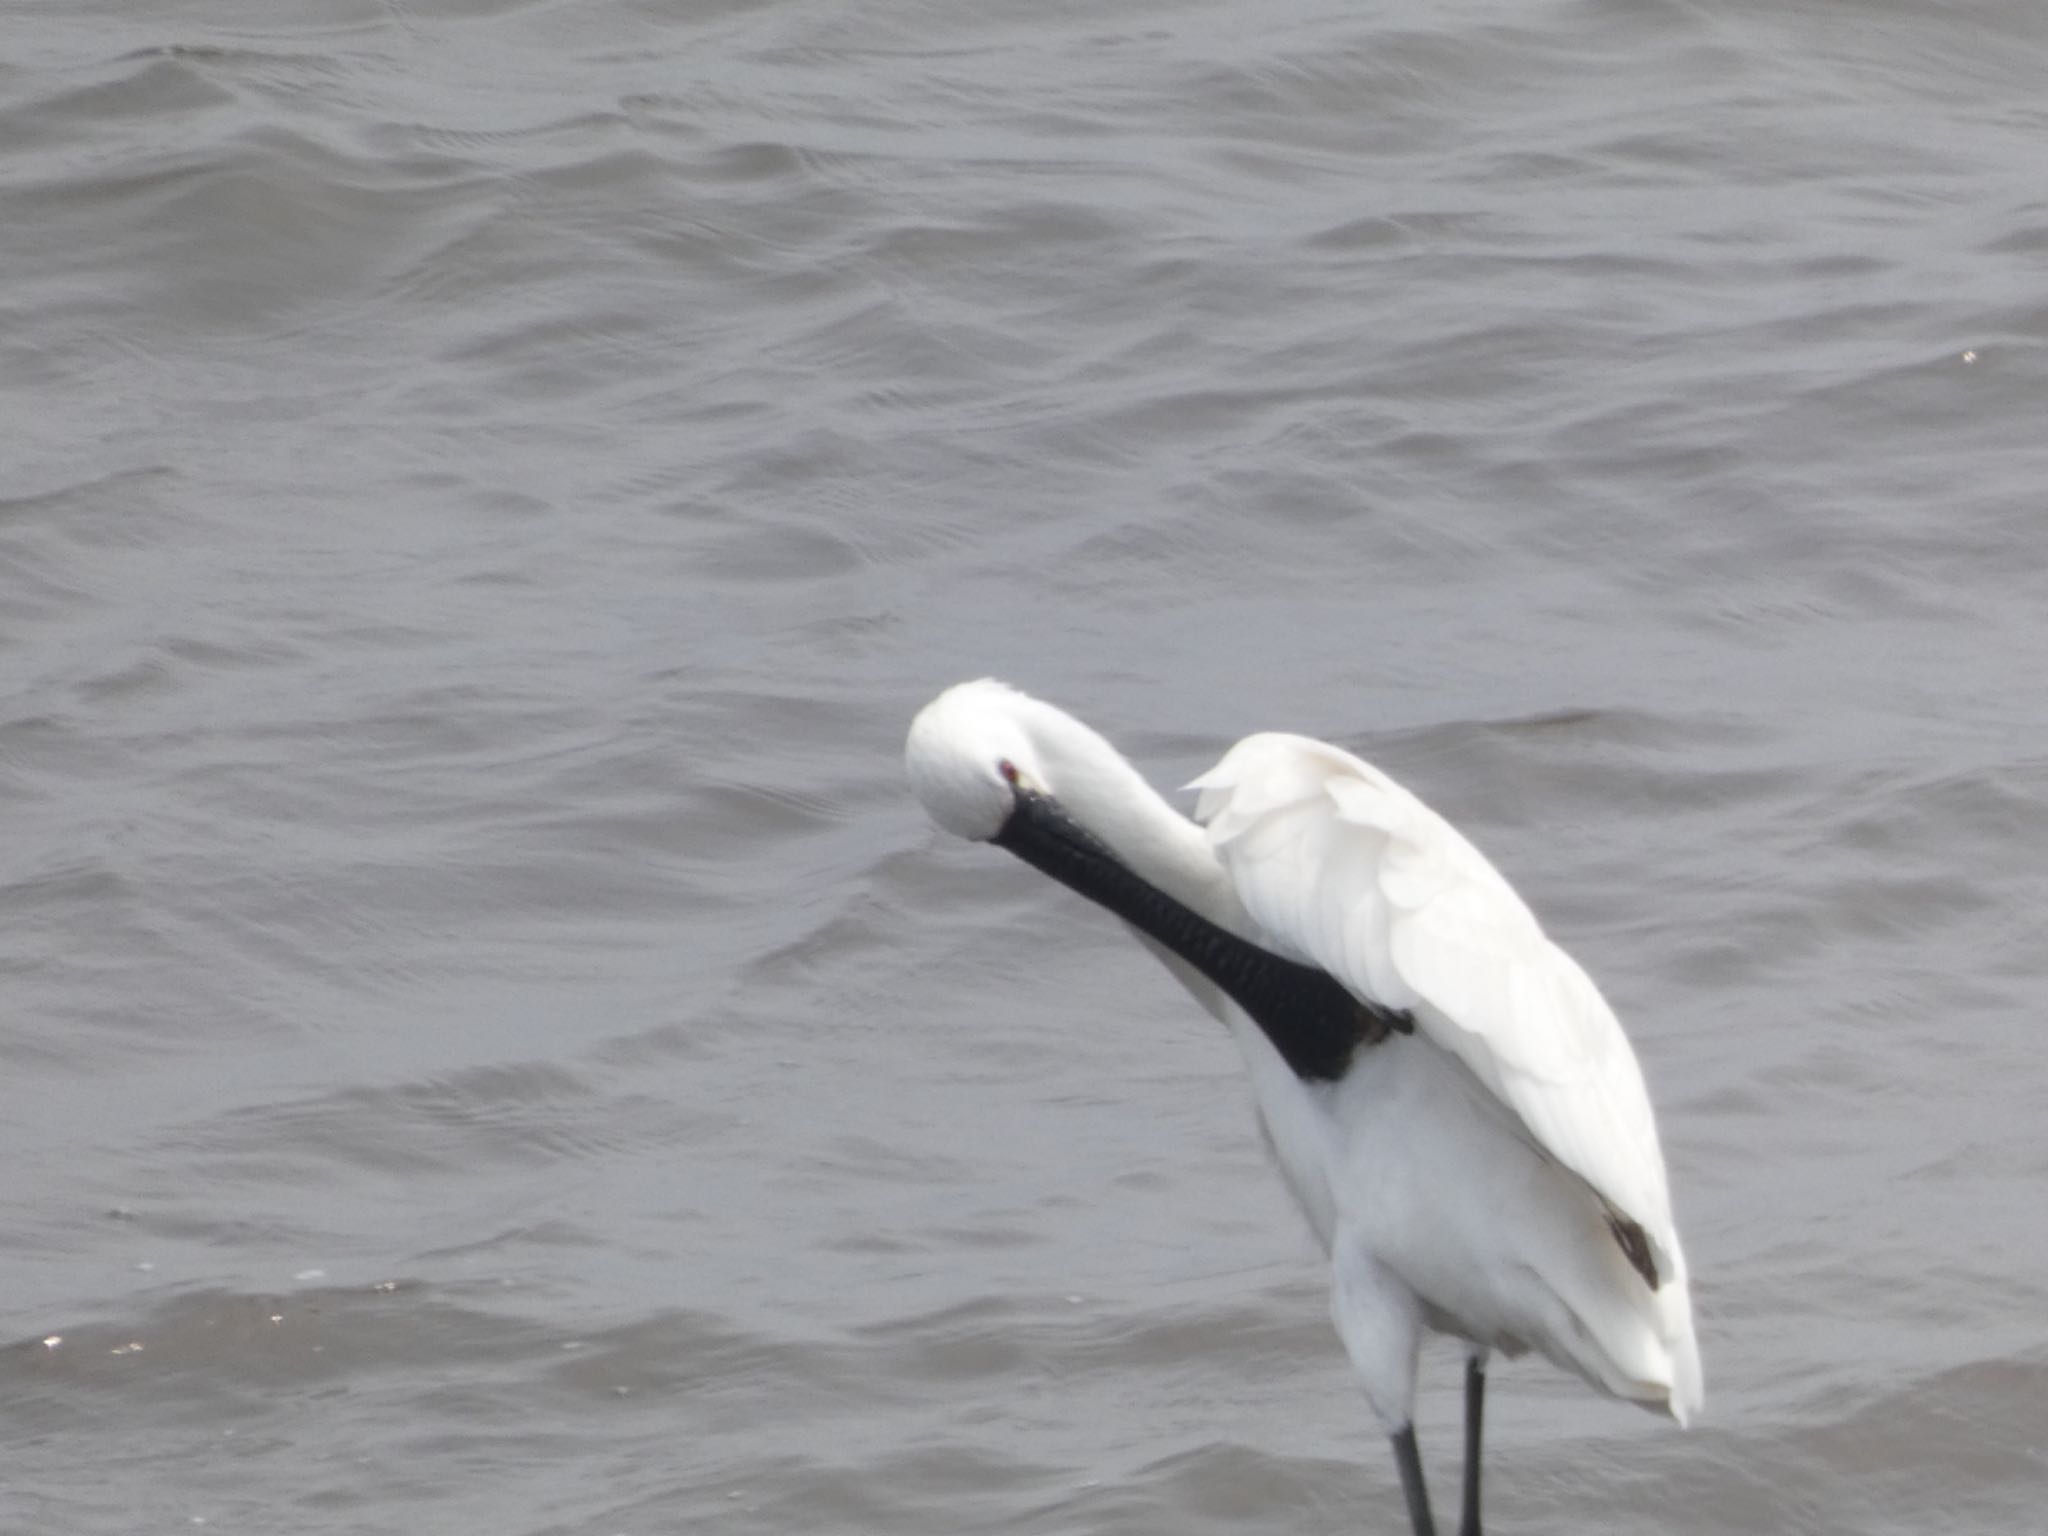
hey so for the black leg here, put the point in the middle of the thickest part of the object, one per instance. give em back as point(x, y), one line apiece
point(1409, 1460)
point(1475, 1410)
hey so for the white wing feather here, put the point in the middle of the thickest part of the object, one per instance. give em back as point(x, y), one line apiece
point(1342, 867)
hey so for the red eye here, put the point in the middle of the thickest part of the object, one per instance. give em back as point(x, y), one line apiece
point(1008, 770)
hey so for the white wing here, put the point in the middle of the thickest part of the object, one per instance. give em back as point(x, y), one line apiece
point(1344, 868)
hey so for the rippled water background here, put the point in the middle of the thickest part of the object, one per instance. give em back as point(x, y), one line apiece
point(490, 1045)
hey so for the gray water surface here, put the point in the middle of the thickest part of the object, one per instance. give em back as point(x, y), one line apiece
point(491, 1046)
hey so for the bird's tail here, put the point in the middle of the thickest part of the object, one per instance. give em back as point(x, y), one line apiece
point(1673, 1321)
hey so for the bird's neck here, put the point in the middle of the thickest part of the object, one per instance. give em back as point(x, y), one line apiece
point(1312, 1021)
point(1109, 797)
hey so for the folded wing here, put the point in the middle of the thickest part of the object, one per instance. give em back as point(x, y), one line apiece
point(1344, 868)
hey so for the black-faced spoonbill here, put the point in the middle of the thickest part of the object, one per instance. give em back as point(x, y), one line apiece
point(1448, 1095)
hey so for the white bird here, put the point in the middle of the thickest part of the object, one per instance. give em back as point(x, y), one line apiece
point(1446, 1092)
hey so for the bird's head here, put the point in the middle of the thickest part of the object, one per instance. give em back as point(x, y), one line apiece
point(970, 758)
